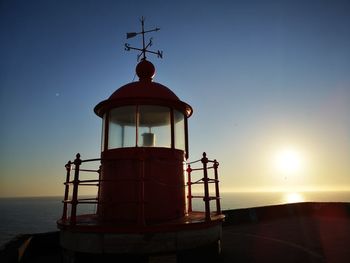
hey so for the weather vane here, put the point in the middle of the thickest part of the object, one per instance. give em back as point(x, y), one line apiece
point(144, 46)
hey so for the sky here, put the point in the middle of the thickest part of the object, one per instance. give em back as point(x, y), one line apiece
point(269, 82)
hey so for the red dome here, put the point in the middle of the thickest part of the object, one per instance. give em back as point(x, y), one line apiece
point(144, 91)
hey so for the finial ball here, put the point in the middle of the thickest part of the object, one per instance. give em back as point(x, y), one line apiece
point(145, 70)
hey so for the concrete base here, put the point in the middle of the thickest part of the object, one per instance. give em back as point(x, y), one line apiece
point(145, 243)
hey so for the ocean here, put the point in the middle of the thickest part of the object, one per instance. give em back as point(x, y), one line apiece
point(39, 214)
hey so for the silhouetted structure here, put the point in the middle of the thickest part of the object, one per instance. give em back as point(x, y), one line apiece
point(141, 200)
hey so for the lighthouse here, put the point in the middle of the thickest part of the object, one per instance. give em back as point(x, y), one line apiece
point(144, 180)
point(144, 147)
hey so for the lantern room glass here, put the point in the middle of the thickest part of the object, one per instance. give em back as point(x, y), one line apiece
point(179, 130)
point(122, 127)
point(103, 132)
point(144, 126)
point(154, 126)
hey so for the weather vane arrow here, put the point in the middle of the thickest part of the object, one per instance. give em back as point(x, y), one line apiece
point(144, 49)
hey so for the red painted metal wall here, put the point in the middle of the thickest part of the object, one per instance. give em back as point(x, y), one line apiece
point(142, 184)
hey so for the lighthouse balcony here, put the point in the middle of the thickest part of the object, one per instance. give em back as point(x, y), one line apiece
point(133, 212)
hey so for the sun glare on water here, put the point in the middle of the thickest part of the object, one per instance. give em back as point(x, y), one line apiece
point(293, 198)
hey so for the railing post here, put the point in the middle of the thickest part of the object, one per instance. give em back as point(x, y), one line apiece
point(77, 163)
point(217, 193)
point(189, 192)
point(206, 187)
point(66, 190)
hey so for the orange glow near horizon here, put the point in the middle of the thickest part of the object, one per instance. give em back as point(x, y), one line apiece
point(293, 198)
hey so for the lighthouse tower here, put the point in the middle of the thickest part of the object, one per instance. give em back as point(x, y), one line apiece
point(144, 148)
point(144, 198)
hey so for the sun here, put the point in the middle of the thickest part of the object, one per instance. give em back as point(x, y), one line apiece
point(288, 161)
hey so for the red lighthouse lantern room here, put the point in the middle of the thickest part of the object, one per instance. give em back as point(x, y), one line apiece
point(144, 185)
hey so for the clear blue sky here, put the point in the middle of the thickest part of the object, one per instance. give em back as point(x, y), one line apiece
point(263, 77)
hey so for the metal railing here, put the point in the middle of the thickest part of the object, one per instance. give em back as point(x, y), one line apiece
point(77, 182)
point(206, 181)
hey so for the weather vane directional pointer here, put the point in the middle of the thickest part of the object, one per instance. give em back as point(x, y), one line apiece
point(144, 46)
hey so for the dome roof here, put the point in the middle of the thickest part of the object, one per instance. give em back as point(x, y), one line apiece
point(144, 91)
